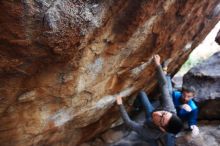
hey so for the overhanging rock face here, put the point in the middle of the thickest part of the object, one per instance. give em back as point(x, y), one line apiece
point(62, 61)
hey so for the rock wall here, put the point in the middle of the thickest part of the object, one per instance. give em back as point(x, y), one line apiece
point(217, 38)
point(62, 61)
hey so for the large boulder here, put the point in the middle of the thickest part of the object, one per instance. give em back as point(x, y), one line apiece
point(217, 38)
point(62, 61)
point(205, 78)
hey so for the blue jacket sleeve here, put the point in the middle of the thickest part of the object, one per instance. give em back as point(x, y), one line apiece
point(176, 95)
point(193, 117)
point(181, 112)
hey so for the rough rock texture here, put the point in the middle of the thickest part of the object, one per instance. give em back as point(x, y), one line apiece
point(62, 61)
point(205, 78)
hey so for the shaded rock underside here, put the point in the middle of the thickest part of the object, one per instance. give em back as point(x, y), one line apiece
point(62, 62)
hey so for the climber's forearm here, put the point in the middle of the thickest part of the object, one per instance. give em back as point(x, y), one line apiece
point(131, 124)
point(161, 78)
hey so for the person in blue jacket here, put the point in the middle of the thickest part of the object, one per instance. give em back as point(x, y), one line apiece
point(186, 108)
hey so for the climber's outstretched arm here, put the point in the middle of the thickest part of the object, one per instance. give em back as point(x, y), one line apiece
point(133, 125)
point(160, 74)
point(166, 99)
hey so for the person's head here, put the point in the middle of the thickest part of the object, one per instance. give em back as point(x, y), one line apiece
point(187, 94)
point(167, 121)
